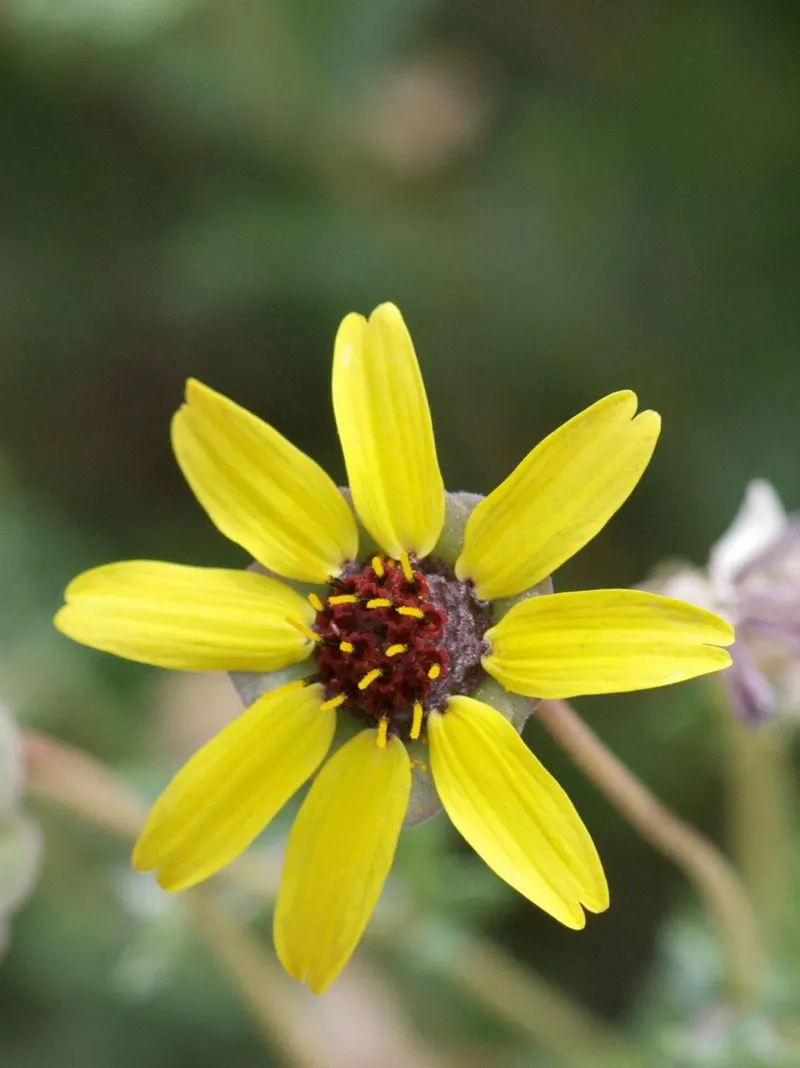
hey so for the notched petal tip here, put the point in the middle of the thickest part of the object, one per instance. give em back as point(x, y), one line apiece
point(388, 313)
point(565, 645)
point(338, 856)
point(183, 617)
point(559, 497)
point(513, 812)
point(385, 428)
point(231, 788)
point(260, 490)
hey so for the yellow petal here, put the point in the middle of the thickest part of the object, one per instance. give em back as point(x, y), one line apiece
point(232, 787)
point(513, 812)
point(385, 428)
point(558, 498)
point(339, 854)
point(603, 641)
point(259, 490)
point(196, 618)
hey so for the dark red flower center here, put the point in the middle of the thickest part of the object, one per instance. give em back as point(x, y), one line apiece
point(388, 632)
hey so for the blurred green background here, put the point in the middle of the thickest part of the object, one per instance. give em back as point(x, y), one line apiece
point(564, 198)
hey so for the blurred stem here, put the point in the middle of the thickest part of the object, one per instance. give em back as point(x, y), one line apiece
point(713, 876)
point(536, 1009)
point(258, 980)
point(73, 780)
point(358, 1023)
point(759, 804)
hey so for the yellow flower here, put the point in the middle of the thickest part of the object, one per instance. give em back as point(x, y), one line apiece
point(398, 641)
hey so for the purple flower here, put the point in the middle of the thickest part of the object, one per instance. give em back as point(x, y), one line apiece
point(753, 580)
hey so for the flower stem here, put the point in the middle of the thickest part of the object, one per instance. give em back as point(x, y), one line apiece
point(712, 875)
point(759, 816)
point(358, 1024)
point(72, 779)
point(536, 1009)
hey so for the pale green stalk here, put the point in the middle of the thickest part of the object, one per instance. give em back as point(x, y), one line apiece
point(714, 878)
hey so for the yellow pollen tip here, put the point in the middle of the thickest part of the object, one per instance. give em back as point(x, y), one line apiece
point(369, 678)
point(379, 602)
point(416, 722)
point(315, 602)
point(334, 702)
point(377, 566)
point(434, 671)
point(396, 650)
point(383, 733)
point(405, 563)
point(407, 610)
point(347, 647)
point(343, 598)
point(307, 632)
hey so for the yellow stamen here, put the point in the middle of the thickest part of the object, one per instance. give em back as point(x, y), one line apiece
point(379, 602)
point(347, 647)
point(307, 632)
point(369, 678)
point(315, 602)
point(405, 563)
point(343, 598)
point(395, 650)
point(407, 610)
point(383, 732)
point(334, 702)
point(434, 671)
point(416, 722)
point(377, 566)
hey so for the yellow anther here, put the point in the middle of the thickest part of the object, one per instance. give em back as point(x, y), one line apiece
point(377, 566)
point(334, 702)
point(407, 610)
point(405, 563)
point(347, 647)
point(307, 632)
point(379, 602)
point(369, 678)
point(383, 733)
point(343, 598)
point(396, 650)
point(315, 602)
point(434, 671)
point(416, 722)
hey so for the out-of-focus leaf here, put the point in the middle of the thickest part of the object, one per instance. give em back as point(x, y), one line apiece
point(11, 771)
point(103, 21)
point(20, 860)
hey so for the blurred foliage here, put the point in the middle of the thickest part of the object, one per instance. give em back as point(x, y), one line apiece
point(564, 199)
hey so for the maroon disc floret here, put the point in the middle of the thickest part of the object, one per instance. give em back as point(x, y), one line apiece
point(380, 645)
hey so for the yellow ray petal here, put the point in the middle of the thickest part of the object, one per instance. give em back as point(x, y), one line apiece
point(196, 618)
point(385, 428)
point(513, 812)
point(339, 854)
point(259, 490)
point(603, 641)
point(558, 498)
point(232, 787)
